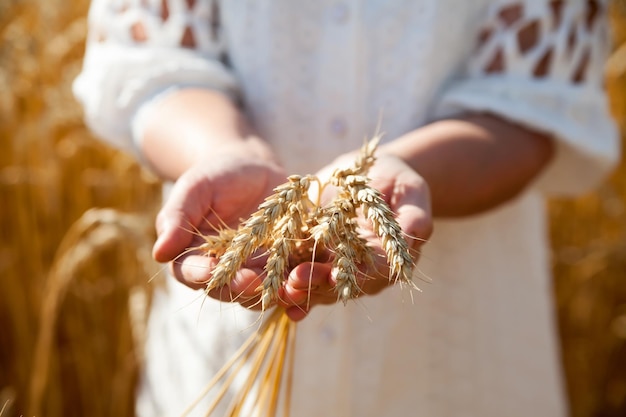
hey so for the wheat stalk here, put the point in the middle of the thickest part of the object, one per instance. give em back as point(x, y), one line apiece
point(269, 352)
point(4, 407)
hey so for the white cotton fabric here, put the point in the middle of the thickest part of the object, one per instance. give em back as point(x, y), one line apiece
point(315, 79)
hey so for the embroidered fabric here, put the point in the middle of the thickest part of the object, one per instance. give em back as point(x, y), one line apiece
point(168, 23)
point(540, 64)
point(537, 63)
point(563, 40)
point(137, 49)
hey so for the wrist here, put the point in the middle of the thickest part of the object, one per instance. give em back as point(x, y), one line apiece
point(188, 127)
point(249, 148)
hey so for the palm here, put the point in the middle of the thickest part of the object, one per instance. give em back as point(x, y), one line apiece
point(234, 195)
point(407, 195)
point(205, 199)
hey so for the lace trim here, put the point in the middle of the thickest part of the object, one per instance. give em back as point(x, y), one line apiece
point(187, 23)
point(543, 39)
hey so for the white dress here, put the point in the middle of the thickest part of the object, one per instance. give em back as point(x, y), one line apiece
point(315, 78)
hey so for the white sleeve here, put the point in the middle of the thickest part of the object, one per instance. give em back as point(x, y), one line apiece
point(140, 49)
point(540, 64)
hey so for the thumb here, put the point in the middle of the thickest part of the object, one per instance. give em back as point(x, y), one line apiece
point(172, 237)
point(416, 224)
point(413, 211)
point(179, 218)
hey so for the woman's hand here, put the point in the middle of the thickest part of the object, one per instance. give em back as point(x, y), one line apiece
point(207, 197)
point(221, 170)
point(407, 195)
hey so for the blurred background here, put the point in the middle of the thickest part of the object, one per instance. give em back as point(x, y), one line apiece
point(70, 208)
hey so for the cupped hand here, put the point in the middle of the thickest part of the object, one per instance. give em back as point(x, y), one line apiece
point(407, 195)
point(206, 198)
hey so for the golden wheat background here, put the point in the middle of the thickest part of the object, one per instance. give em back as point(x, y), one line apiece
point(70, 322)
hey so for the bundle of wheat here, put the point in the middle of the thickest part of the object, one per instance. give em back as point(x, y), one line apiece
point(291, 228)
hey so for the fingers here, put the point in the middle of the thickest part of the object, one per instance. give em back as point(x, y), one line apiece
point(312, 284)
point(410, 200)
point(308, 284)
point(305, 280)
point(416, 224)
point(243, 289)
point(297, 313)
point(193, 270)
point(177, 220)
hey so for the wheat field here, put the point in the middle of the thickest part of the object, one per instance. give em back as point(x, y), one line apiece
point(70, 208)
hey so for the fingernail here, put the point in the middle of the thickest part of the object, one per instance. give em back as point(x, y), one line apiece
point(198, 275)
